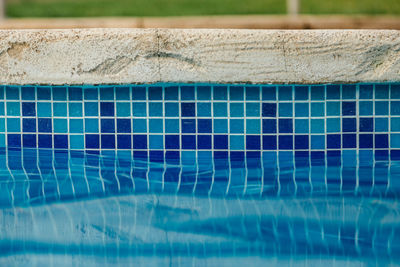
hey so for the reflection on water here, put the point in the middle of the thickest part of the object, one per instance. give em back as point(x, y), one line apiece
point(74, 208)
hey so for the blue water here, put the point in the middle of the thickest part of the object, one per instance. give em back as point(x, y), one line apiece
point(71, 208)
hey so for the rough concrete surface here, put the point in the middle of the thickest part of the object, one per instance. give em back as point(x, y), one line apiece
point(96, 56)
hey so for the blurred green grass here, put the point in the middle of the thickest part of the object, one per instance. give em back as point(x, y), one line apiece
point(93, 8)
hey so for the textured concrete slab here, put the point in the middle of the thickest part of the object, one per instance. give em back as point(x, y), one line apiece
point(173, 55)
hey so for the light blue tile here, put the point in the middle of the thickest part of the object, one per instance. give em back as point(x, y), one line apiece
point(60, 125)
point(333, 108)
point(204, 109)
point(236, 142)
point(236, 126)
point(60, 109)
point(317, 141)
point(171, 109)
point(91, 125)
point(220, 126)
point(395, 141)
point(317, 109)
point(301, 125)
point(13, 125)
point(76, 125)
point(220, 109)
point(76, 141)
point(156, 125)
point(285, 109)
point(395, 124)
point(13, 109)
point(236, 109)
point(75, 109)
point(333, 125)
point(252, 109)
point(91, 109)
point(44, 109)
point(381, 107)
point(123, 109)
point(2, 125)
point(301, 109)
point(366, 108)
point(318, 126)
point(252, 126)
point(156, 141)
point(139, 125)
point(171, 126)
point(155, 109)
point(139, 109)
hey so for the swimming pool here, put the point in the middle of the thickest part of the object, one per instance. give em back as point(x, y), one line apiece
point(199, 147)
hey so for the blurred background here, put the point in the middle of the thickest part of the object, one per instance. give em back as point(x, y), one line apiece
point(202, 13)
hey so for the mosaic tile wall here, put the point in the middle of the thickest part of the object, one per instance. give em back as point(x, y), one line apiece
point(203, 117)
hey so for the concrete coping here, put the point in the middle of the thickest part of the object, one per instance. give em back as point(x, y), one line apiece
point(122, 56)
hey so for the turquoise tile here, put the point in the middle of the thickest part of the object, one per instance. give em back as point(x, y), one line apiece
point(172, 126)
point(285, 109)
point(156, 141)
point(139, 125)
point(60, 125)
point(91, 125)
point(395, 141)
point(252, 109)
point(252, 126)
point(318, 109)
point(171, 109)
point(317, 126)
point(76, 142)
point(123, 109)
point(91, 109)
point(44, 109)
point(13, 109)
point(156, 126)
point(236, 142)
point(75, 109)
point(301, 110)
point(236, 109)
point(366, 108)
point(2, 125)
point(204, 109)
point(60, 109)
point(13, 125)
point(317, 141)
point(301, 125)
point(76, 125)
point(220, 126)
point(220, 109)
point(139, 109)
point(333, 108)
point(381, 124)
point(236, 126)
point(333, 125)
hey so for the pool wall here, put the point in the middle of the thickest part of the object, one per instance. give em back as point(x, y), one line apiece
point(200, 93)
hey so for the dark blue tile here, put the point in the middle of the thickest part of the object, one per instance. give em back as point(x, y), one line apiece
point(301, 141)
point(269, 125)
point(156, 156)
point(333, 141)
point(204, 125)
point(204, 141)
point(188, 126)
point(253, 142)
point(122, 92)
point(366, 91)
point(92, 141)
point(220, 155)
point(187, 92)
point(108, 141)
point(43, 93)
point(285, 142)
point(269, 142)
point(61, 141)
point(29, 140)
point(381, 91)
point(28, 109)
point(123, 125)
point(203, 92)
point(236, 92)
point(395, 91)
point(220, 92)
point(395, 154)
point(365, 141)
point(29, 125)
point(155, 93)
point(141, 155)
point(44, 125)
point(138, 93)
point(75, 93)
point(107, 109)
point(285, 92)
point(366, 124)
point(171, 93)
point(28, 93)
point(268, 92)
point(188, 142)
point(348, 91)
point(349, 125)
point(220, 141)
point(301, 92)
point(269, 109)
point(285, 126)
point(394, 107)
point(124, 141)
point(107, 125)
point(139, 141)
point(348, 108)
point(381, 140)
point(45, 141)
point(333, 91)
point(188, 109)
point(349, 140)
point(172, 157)
point(252, 93)
point(14, 140)
point(381, 155)
point(172, 142)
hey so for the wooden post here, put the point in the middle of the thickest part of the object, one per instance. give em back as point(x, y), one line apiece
point(293, 7)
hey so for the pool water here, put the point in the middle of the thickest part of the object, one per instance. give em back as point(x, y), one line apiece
point(76, 208)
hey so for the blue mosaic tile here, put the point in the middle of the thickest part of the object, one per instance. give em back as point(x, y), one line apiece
point(211, 118)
